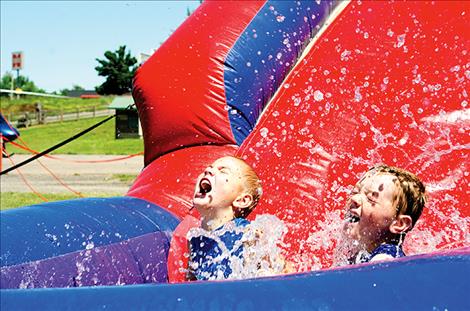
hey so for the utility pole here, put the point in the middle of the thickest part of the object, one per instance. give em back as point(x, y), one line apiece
point(12, 86)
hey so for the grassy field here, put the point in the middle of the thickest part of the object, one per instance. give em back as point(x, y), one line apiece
point(9, 200)
point(53, 105)
point(125, 178)
point(99, 141)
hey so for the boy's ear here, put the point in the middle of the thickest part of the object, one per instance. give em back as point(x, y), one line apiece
point(244, 200)
point(401, 224)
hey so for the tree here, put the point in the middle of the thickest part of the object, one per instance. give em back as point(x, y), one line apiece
point(75, 87)
point(21, 82)
point(118, 67)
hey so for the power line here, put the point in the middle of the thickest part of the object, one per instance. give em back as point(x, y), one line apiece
point(56, 146)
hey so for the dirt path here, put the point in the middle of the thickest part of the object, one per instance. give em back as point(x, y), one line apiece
point(83, 177)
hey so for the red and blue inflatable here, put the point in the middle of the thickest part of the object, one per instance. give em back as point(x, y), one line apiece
point(310, 93)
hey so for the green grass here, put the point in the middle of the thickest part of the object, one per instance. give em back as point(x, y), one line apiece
point(99, 141)
point(53, 105)
point(125, 178)
point(11, 200)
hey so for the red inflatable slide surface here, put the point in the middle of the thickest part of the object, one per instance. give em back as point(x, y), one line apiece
point(385, 82)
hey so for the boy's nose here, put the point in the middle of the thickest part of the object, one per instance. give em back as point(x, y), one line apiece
point(356, 201)
point(209, 171)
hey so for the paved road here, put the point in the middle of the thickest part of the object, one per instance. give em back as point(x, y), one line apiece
point(82, 177)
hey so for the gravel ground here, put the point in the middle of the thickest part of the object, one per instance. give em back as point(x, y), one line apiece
point(82, 177)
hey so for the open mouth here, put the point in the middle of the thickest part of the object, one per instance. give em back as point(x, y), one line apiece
point(205, 186)
point(351, 218)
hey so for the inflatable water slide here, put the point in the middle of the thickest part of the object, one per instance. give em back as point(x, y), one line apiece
point(311, 94)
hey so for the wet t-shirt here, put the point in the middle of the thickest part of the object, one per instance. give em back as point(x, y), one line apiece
point(212, 254)
point(392, 250)
point(388, 249)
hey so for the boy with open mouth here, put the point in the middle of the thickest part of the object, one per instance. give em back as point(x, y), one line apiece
point(225, 194)
point(384, 205)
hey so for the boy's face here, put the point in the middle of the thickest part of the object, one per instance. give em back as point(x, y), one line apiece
point(370, 210)
point(219, 185)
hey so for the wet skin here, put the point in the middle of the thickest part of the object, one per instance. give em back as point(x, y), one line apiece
point(219, 185)
point(371, 211)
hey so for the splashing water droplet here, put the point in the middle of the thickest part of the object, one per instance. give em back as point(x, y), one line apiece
point(297, 101)
point(357, 94)
point(400, 40)
point(318, 95)
point(264, 132)
point(90, 245)
point(345, 54)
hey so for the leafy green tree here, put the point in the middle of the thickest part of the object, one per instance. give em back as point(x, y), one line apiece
point(21, 82)
point(118, 67)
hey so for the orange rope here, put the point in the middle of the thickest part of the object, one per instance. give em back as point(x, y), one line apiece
point(25, 181)
point(25, 147)
point(60, 180)
point(52, 173)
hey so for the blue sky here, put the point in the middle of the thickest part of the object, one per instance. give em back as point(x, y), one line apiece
point(60, 40)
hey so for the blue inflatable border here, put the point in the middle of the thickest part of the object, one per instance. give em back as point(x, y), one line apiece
point(438, 282)
point(52, 229)
point(264, 54)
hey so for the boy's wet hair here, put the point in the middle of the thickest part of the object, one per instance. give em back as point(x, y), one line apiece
point(411, 195)
point(252, 186)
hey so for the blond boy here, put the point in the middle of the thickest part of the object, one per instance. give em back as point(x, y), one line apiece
point(384, 205)
point(225, 194)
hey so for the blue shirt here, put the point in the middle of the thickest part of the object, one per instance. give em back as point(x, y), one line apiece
point(390, 249)
point(208, 259)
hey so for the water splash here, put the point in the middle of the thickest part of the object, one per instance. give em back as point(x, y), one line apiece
point(261, 245)
point(262, 252)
